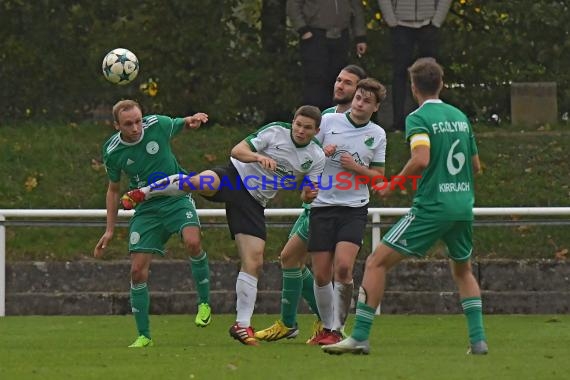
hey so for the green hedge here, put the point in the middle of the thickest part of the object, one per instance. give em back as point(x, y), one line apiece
point(215, 55)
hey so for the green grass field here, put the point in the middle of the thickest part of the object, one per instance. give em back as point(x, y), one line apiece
point(403, 347)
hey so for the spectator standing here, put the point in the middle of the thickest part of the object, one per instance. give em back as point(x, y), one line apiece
point(413, 23)
point(325, 29)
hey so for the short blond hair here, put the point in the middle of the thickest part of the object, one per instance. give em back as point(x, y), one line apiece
point(124, 105)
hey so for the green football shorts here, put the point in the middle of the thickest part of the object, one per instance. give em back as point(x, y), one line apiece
point(151, 226)
point(301, 226)
point(413, 235)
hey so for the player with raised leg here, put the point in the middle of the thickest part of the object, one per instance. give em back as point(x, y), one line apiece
point(297, 278)
point(275, 157)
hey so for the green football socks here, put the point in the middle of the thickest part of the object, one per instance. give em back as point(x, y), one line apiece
point(363, 321)
point(473, 310)
point(140, 307)
point(308, 290)
point(201, 273)
point(290, 295)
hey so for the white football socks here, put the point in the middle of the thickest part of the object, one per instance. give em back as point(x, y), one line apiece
point(342, 301)
point(169, 186)
point(324, 296)
point(246, 293)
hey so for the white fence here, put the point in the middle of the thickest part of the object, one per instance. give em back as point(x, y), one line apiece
point(101, 214)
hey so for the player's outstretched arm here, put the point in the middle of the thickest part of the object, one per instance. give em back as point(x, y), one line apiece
point(196, 120)
point(112, 204)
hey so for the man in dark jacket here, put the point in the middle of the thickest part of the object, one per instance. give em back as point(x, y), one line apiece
point(413, 23)
point(325, 29)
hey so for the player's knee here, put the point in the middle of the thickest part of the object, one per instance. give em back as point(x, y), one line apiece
point(206, 183)
point(193, 246)
point(461, 271)
point(252, 263)
point(321, 279)
point(195, 182)
point(374, 261)
point(139, 274)
point(343, 273)
point(371, 262)
point(255, 267)
point(289, 261)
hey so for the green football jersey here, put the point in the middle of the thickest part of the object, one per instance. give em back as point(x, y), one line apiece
point(148, 159)
point(445, 191)
point(329, 110)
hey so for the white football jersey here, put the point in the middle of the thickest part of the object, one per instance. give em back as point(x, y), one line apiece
point(366, 143)
point(295, 163)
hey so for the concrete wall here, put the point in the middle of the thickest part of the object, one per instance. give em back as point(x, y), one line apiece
point(534, 103)
point(423, 287)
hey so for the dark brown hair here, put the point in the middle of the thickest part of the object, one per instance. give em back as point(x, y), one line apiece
point(356, 70)
point(373, 86)
point(426, 75)
point(310, 112)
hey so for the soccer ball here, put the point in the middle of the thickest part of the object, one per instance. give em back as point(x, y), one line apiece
point(120, 66)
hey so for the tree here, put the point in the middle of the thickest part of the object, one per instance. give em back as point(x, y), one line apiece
point(273, 26)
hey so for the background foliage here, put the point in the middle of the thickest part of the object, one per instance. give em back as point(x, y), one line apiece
point(237, 60)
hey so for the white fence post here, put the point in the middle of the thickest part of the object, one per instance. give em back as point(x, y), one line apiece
point(375, 230)
point(2, 267)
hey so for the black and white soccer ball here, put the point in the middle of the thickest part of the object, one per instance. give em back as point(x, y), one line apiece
point(120, 66)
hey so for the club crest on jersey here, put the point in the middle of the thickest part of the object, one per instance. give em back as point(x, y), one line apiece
point(368, 141)
point(135, 237)
point(307, 164)
point(152, 147)
point(282, 171)
point(338, 154)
